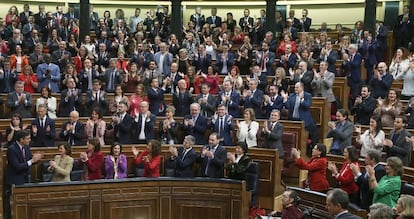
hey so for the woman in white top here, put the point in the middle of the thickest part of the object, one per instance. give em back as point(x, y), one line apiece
point(372, 137)
point(89, 45)
point(48, 100)
point(400, 62)
point(247, 129)
point(210, 48)
point(408, 78)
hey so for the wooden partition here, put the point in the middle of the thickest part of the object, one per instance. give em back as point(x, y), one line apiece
point(341, 90)
point(321, 112)
point(149, 198)
point(269, 163)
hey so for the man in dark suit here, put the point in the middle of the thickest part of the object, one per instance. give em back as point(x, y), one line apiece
point(223, 124)
point(202, 60)
point(337, 202)
point(253, 98)
point(295, 21)
point(273, 132)
point(225, 60)
point(122, 123)
point(272, 100)
point(364, 106)
point(198, 19)
point(381, 35)
point(87, 75)
point(305, 21)
point(288, 60)
point(381, 82)
point(298, 105)
point(24, 15)
point(206, 101)
point(61, 57)
point(230, 99)
point(7, 77)
point(43, 129)
point(260, 76)
point(214, 20)
point(96, 98)
point(20, 101)
point(143, 125)
point(19, 161)
point(30, 44)
point(367, 49)
point(246, 22)
point(173, 77)
point(195, 124)
point(397, 145)
point(73, 131)
point(113, 76)
point(352, 67)
point(212, 158)
point(37, 57)
point(182, 99)
point(361, 178)
point(265, 59)
point(70, 99)
point(156, 97)
point(41, 20)
point(290, 29)
point(183, 158)
point(304, 75)
point(329, 55)
point(103, 57)
point(72, 13)
point(29, 27)
point(93, 18)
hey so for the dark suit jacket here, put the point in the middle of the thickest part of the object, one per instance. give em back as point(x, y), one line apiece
point(203, 63)
point(368, 51)
point(243, 25)
point(56, 59)
point(91, 102)
point(238, 170)
point(73, 103)
point(148, 128)
point(304, 113)
point(306, 79)
point(215, 165)
point(226, 133)
point(17, 169)
point(183, 165)
point(363, 182)
point(347, 215)
point(353, 68)
point(290, 63)
point(198, 130)
point(229, 62)
point(276, 104)
point(274, 139)
point(401, 147)
point(255, 103)
point(381, 87)
point(7, 81)
point(364, 110)
point(23, 18)
point(268, 61)
point(232, 105)
point(201, 20)
point(83, 79)
point(182, 103)
point(122, 131)
point(76, 138)
point(117, 80)
point(343, 135)
point(207, 109)
point(43, 138)
point(156, 98)
point(217, 21)
point(75, 15)
point(23, 109)
point(331, 59)
point(305, 25)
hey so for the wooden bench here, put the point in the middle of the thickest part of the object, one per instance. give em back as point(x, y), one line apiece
point(270, 166)
point(151, 198)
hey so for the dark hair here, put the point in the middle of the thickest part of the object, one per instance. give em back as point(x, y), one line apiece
point(111, 152)
point(21, 134)
point(17, 116)
point(97, 110)
point(352, 153)
point(339, 196)
point(377, 119)
point(95, 142)
point(343, 112)
point(68, 148)
point(155, 147)
point(49, 91)
point(322, 149)
point(402, 117)
point(367, 86)
point(243, 146)
point(374, 155)
point(96, 81)
point(294, 196)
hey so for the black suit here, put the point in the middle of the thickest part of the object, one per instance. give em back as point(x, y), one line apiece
point(182, 103)
point(43, 138)
point(213, 168)
point(197, 130)
point(362, 181)
point(306, 79)
point(216, 21)
point(122, 131)
point(401, 148)
point(364, 110)
point(72, 103)
point(17, 169)
point(183, 165)
point(148, 128)
point(347, 215)
point(75, 137)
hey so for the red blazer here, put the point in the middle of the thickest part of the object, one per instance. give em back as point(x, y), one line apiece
point(77, 60)
point(93, 166)
point(151, 168)
point(316, 172)
point(13, 61)
point(346, 178)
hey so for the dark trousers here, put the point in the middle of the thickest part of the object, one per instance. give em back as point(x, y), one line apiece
point(6, 203)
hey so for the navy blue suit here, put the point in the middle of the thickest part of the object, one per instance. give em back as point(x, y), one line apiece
point(156, 99)
point(232, 105)
point(73, 103)
point(148, 127)
point(381, 87)
point(215, 166)
point(17, 169)
point(365, 194)
point(276, 103)
point(183, 165)
point(182, 103)
point(229, 62)
point(122, 131)
point(142, 59)
point(268, 58)
point(290, 63)
point(198, 130)
point(353, 67)
point(255, 102)
point(381, 38)
point(76, 138)
point(43, 138)
point(304, 113)
point(217, 21)
point(331, 59)
point(225, 132)
point(368, 52)
point(203, 63)
point(7, 82)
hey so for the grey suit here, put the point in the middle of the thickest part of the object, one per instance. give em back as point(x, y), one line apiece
point(322, 87)
point(343, 136)
point(401, 147)
point(21, 108)
point(274, 138)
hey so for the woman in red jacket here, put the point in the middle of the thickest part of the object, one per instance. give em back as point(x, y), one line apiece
point(316, 167)
point(151, 158)
point(345, 176)
point(92, 160)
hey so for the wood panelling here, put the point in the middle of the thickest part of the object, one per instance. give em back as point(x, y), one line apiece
point(211, 198)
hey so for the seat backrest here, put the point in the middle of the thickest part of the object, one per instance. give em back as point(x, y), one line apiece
point(77, 171)
point(288, 142)
point(46, 175)
point(252, 179)
point(139, 169)
point(407, 189)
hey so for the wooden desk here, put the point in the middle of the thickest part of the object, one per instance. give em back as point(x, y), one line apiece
point(150, 198)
